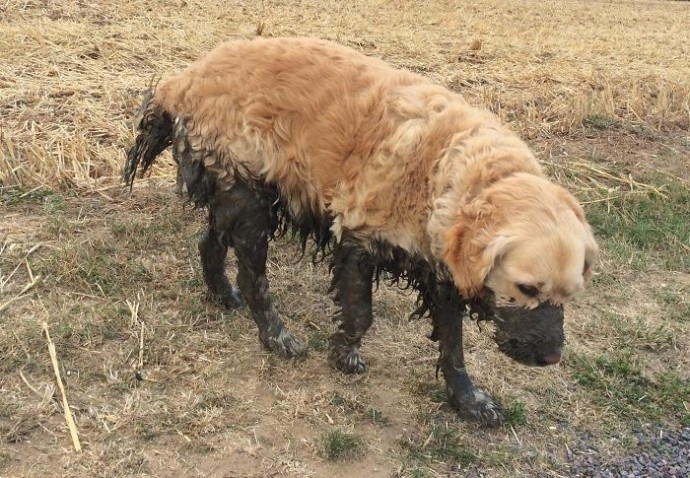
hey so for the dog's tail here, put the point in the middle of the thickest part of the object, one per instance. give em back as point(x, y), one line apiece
point(154, 135)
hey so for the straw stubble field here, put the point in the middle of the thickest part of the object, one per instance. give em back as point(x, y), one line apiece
point(161, 382)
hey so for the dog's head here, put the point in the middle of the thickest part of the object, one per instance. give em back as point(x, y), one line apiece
point(521, 250)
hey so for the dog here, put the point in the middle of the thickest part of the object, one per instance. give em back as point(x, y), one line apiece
point(385, 172)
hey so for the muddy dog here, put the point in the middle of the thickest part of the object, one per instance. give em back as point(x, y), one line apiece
point(384, 171)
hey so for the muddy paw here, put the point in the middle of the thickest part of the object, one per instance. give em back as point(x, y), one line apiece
point(478, 405)
point(285, 344)
point(348, 360)
point(230, 297)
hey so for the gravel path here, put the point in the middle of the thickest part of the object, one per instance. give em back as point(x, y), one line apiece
point(662, 453)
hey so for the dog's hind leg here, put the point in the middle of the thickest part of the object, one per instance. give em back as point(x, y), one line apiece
point(243, 216)
point(213, 252)
point(213, 248)
point(353, 270)
point(447, 308)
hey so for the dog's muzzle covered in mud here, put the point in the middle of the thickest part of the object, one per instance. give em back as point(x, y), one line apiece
point(529, 336)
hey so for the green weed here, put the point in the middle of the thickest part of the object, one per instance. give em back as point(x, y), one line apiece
point(515, 414)
point(338, 445)
point(318, 341)
point(599, 122)
point(648, 223)
point(621, 386)
point(439, 442)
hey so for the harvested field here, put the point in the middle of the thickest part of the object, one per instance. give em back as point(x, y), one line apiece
point(161, 382)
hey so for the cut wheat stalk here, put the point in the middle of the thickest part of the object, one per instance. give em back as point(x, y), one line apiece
point(65, 404)
point(141, 346)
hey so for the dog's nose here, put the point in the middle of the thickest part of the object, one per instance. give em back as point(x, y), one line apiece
point(552, 358)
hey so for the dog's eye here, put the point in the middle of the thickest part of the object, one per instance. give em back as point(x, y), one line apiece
point(528, 290)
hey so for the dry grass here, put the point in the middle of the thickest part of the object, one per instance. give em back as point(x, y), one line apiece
point(73, 70)
point(183, 389)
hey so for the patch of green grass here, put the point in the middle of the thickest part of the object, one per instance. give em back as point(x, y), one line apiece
point(674, 391)
point(74, 326)
point(433, 391)
point(641, 130)
point(18, 195)
point(135, 232)
point(551, 408)
point(55, 208)
point(337, 400)
point(646, 223)
point(599, 122)
point(439, 442)
point(318, 341)
point(97, 272)
point(120, 229)
point(675, 307)
point(197, 310)
point(602, 122)
point(515, 414)
point(680, 313)
point(194, 280)
point(619, 384)
point(667, 297)
point(54, 204)
point(339, 445)
point(102, 273)
point(96, 268)
point(624, 254)
point(77, 333)
point(636, 333)
point(152, 233)
point(417, 472)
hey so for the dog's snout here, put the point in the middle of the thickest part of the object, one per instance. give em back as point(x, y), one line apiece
point(531, 336)
point(551, 359)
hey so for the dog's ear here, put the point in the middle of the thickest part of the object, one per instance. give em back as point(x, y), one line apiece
point(572, 203)
point(472, 248)
point(591, 253)
point(591, 247)
point(590, 259)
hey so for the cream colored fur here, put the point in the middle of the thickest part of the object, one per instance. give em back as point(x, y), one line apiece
point(389, 156)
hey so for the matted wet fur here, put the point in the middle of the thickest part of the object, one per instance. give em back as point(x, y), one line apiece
point(385, 172)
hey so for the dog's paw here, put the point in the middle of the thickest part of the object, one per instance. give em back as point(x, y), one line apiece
point(478, 405)
point(285, 344)
point(345, 356)
point(229, 297)
point(348, 360)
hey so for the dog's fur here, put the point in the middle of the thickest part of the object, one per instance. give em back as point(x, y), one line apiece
point(388, 172)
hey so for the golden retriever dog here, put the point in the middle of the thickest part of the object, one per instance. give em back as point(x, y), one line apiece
point(385, 172)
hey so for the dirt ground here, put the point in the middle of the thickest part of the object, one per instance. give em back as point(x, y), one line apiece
point(161, 382)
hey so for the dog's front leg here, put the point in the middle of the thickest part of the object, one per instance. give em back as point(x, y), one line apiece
point(353, 270)
point(447, 309)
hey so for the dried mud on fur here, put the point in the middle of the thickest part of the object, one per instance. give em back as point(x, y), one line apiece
point(161, 382)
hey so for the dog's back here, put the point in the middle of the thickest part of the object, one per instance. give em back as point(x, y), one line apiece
point(338, 134)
